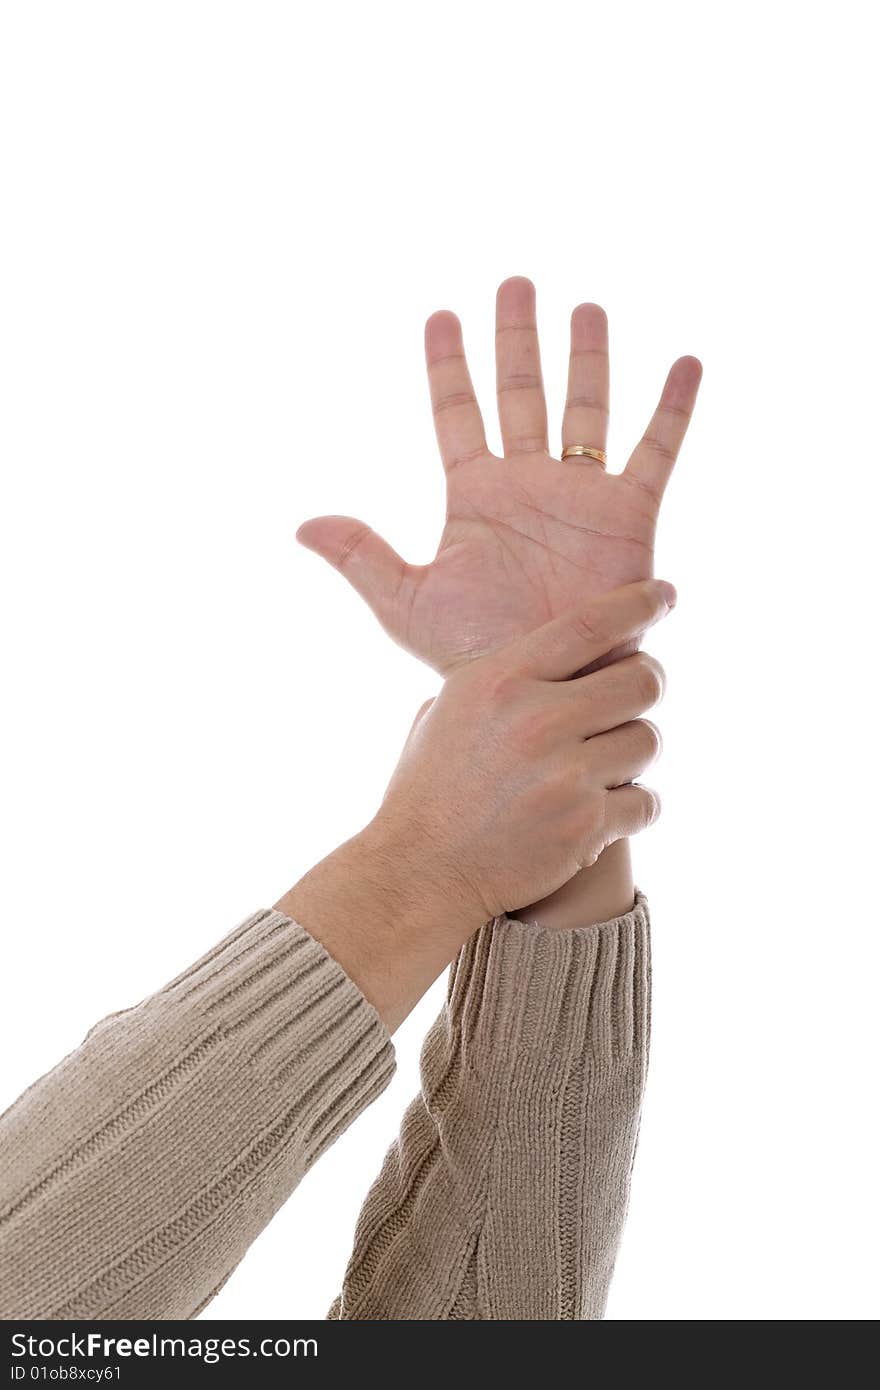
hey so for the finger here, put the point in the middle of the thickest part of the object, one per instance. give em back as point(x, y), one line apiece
point(612, 695)
point(522, 410)
point(457, 419)
point(578, 638)
point(653, 458)
point(369, 564)
point(585, 419)
point(629, 810)
point(623, 754)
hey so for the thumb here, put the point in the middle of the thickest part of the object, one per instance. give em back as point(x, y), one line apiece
point(369, 564)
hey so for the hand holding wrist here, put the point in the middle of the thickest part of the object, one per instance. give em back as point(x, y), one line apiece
point(511, 781)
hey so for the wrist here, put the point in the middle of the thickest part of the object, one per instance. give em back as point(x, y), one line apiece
point(597, 894)
point(427, 881)
point(392, 917)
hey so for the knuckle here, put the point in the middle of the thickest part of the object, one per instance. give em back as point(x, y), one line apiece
point(593, 834)
point(589, 625)
point(650, 679)
point(586, 402)
point(657, 446)
point(648, 604)
point(353, 541)
point(650, 738)
point(649, 807)
point(502, 690)
point(519, 381)
point(450, 399)
point(588, 826)
point(589, 854)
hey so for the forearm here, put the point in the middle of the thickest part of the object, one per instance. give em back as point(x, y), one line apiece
point(136, 1174)
point(393, 926)
point(505, 1194)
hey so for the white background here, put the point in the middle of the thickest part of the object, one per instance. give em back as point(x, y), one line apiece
point(223, 226)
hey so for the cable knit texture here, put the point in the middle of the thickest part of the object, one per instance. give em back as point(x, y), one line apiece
point(505, 1194)
point(134, 1176)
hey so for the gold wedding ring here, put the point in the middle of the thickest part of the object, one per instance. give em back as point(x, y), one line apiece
point(572, 451)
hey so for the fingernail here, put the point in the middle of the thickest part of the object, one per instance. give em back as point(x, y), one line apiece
point(668, 592)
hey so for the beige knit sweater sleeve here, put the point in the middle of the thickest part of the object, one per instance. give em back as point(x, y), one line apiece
point(134, 1176)
point(505, 1194)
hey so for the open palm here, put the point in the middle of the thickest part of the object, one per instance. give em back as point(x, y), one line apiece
point(526, 536)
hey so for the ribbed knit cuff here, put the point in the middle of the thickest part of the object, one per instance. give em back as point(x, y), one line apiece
point(519, 991)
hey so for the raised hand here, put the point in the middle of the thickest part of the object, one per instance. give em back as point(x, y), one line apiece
point(526, 536)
